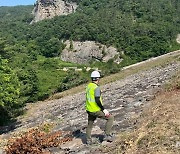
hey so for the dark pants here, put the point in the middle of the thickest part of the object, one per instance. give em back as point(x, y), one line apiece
point(92, 117)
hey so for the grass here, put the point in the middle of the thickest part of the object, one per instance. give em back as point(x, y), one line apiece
point(158, 128)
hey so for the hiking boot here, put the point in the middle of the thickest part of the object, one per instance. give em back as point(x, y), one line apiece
point(108, 138)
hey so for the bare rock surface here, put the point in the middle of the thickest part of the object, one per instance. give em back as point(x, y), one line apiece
point(46, 9)
point(125, 99)
point(84, 52)
point(178, 38)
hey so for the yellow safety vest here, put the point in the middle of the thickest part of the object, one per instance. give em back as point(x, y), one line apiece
point(91, 104)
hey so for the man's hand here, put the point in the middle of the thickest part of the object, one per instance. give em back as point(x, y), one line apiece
point(107, 114)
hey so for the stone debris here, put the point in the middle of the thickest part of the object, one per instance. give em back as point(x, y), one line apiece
point(177, 144)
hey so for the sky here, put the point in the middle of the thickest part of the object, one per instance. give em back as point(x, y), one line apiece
point(16, 2)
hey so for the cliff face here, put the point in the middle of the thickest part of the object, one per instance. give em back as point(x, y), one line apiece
point(46, 9)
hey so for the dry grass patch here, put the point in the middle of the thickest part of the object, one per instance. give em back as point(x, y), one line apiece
point(174, 84)
point(159, 131)
point(158, 128)
point(36, 141)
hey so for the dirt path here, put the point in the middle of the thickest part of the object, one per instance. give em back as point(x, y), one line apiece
point(125, 99)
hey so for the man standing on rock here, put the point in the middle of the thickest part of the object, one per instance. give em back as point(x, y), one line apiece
point(95, 109)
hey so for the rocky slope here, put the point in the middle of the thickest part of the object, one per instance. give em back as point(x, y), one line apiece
point(46, 9)
point(84, 52)
point(125, 99)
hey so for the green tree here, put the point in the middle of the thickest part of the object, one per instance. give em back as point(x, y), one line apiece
point(29, 85)
point(52, 47)
point(2, 46)
point(9, 91)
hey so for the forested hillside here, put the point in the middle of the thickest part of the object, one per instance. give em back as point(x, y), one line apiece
point(30, 67)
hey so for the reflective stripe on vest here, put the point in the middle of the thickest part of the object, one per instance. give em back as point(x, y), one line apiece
point(91, 104)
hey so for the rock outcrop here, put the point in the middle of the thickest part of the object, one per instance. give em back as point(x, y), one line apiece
point(178, 38)
point(84, 52)
point(46, 9)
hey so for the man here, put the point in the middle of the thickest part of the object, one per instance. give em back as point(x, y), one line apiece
point(95, 108)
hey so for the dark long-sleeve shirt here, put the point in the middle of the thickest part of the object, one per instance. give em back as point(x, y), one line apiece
point(97, 94)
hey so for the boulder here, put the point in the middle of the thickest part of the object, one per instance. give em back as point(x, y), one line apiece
point(84, 52)
point(178, 38)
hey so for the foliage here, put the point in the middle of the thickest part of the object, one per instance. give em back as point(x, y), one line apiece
point(73, 79)
point(29, 85)
point(141, 28)
point(9, 91)
point(52, 48)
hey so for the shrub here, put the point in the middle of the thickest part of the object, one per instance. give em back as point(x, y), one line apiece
point(36, 141)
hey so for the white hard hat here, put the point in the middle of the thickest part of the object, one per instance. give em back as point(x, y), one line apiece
point(95, 74)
